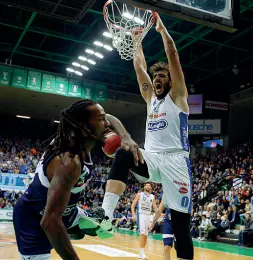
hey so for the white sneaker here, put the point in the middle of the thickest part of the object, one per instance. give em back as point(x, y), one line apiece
point(98, 224)
point(199, 238)
point(143, 257)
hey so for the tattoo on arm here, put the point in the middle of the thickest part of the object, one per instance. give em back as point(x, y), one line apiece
point(145, 86)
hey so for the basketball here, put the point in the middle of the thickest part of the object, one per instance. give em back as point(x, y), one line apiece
point(111, 144)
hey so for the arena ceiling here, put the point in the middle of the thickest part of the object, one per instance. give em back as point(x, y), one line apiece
point(50, 34)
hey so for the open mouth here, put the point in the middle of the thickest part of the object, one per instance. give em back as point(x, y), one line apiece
point(106, 131)
point(158, 85)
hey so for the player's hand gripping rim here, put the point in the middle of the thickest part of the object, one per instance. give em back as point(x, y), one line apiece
point(129, 144)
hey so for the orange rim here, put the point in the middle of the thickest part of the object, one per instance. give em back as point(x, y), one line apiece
point(116, 27)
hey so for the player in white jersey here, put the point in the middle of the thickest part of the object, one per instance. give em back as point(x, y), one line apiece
point(166, 154)
point(145, 201)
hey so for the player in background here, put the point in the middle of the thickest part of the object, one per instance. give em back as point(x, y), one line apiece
point(145, 202)
point(47, 213)
point(166, 154)
point(168, 234)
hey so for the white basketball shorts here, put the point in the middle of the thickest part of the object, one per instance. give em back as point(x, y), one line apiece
point(174, 172)
point(143, 222)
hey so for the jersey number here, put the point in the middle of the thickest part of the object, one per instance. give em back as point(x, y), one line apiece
point(185, 202)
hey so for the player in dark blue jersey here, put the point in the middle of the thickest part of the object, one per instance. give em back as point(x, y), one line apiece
point(168, 234)
point(47, 213)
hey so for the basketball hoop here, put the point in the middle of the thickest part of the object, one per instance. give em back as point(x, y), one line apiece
point(128, 25)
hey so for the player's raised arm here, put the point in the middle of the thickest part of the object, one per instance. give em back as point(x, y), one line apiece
point(136, 199)
point(177, 76)
point(143, 78)
point(65, 172)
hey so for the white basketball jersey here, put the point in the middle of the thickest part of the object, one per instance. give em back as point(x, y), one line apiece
point(166, 127)
point(145, 204)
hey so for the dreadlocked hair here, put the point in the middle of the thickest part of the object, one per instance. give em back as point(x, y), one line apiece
point(71, 133)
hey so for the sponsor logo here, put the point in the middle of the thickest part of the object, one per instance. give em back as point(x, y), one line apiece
point(181, 183)
point(158, 125)
point(183, 190)
point(9, 214)
point(151, 116)
point(200, 127)
point(216, 105)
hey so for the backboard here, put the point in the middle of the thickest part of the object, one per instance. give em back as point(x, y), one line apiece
point(219, 14)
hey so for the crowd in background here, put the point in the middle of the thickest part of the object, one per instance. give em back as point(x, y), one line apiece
point(230, 206)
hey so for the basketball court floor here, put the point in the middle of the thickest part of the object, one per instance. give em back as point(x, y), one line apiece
point(124, 246)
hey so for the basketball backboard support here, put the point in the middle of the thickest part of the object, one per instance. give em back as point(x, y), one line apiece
point(219, 14)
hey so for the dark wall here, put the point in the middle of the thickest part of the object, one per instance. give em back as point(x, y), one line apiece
point(136, 127)
point(26, 128)
point(240, 125)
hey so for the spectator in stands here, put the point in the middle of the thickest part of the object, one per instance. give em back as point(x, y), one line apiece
point(195, 222)
point(243, 235)
point(208, 212)
point(235, 218)
point(220, 229)
point(213, 214)
point(247, 208)
point(205, 227)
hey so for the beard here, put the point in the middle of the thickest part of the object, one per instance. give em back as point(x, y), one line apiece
point(164, 94)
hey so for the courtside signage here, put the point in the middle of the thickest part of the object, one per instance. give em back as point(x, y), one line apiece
point(216, 105)
point(202, 127)
point(107, 251)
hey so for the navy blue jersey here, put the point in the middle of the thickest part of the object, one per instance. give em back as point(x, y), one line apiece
point(29, 210)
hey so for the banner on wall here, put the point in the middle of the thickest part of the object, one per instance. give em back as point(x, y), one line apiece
point(48, 83)
point(19, 79)
point(100, 93)
point(195, 103)
point(75, 89)
point(5, 75)
point(6, 214)
point(88, 90)
point(34, 80)
point(11, 182)
point(216, 105)
point(203, 127)
point(61, 86)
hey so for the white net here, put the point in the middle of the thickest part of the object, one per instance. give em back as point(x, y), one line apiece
point(128, 25)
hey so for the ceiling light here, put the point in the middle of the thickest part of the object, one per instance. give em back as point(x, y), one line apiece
point(107, 47)
point(76, 64)
point(84, 67)
point(99, 55)
point(138, 20)
point(99, 43)
point(82, 58)
point(127, 15)
point(56, 121)
point(78, 73)
point(25, 117)
point(91, 62)
point(89, 51)
point(107, 34)
point(70, 70)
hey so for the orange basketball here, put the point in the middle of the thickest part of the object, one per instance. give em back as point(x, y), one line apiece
point(33, 151)
point(111, 144)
